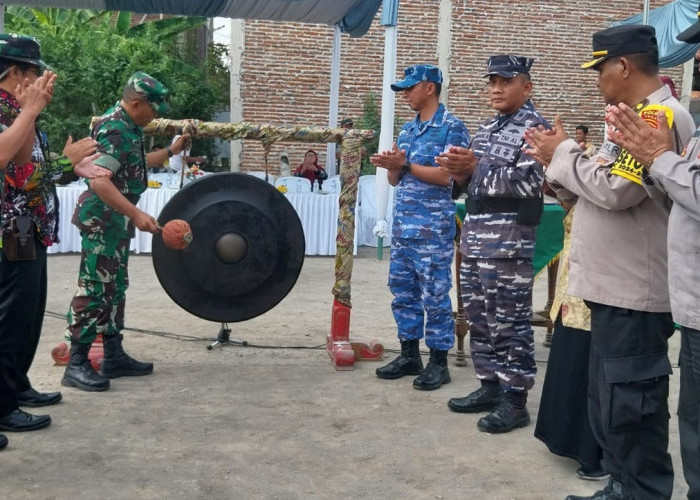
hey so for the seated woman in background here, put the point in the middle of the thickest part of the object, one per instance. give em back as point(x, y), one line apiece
point(311, 169)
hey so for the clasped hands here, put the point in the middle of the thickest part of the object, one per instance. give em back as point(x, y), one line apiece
point(625, 128)
point(457, 162)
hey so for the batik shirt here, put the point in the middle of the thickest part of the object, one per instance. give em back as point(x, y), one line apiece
point(426, 211)
point(120, 138)
point(503, 171)
point(30, 187)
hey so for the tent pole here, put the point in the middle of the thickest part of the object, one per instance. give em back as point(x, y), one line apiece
point(645, 12)
point(386, 136)
point(237, 48)
point(334, 98)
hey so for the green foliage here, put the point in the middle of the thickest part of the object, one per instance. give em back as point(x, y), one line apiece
point(371, 119)
point(95, 52)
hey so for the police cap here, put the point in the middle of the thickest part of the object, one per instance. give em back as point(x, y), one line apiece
point(620, 41)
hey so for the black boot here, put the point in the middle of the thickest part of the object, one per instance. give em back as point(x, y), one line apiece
point(117, 363)
point(408, 363)
point(510, 414)
point(79, 372)
point(613, 491)
point(435, 374)
point(485, 398)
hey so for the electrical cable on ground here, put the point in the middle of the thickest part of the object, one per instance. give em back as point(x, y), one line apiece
point(192, 338)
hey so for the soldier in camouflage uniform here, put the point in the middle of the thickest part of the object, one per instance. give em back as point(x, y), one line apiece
point(422, 244)
point(504, 204)
point(106, 215)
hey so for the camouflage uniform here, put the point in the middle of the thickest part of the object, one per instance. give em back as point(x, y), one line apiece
point(496, 273)
point(422, 245)
point(98, 305)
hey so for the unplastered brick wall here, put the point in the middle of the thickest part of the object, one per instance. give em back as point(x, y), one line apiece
point(286, 66)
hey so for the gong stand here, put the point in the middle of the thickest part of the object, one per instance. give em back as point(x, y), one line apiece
point(224, 338)
point(342, 351)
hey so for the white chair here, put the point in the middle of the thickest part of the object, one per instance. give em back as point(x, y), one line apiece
point(261, 175)
point(366, 211)
point(294, 184)
point(332, 184)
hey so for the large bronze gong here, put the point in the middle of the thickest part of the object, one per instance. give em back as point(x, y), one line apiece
point(247, 251)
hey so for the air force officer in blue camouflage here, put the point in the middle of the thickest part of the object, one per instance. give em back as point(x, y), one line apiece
point(422, 245)
point(504, 204)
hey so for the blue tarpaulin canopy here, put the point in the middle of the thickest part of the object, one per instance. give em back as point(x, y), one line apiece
point(668, 21)
point(353, 16)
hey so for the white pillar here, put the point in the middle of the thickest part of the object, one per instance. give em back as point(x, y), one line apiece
point(386, 136)
point(444, 47)
point(237, 50)
point(334, 98)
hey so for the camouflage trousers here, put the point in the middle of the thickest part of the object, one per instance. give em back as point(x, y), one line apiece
point(420, 277)
point(98, 305)
point(497, 295)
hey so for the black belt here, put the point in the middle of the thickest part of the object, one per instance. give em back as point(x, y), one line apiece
point(492, 205)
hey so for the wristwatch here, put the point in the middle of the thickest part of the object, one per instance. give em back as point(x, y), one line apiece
point(169, 151)
point(406, 168)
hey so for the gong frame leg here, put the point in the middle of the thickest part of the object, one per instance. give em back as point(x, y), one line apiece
point(224, 338)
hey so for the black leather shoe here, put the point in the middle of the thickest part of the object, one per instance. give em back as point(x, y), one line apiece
point(482, 399)
point(592, 474)
point(21, 421)
point(32, 397)
point(504, 418)
point(613, 491)
point(3, 441)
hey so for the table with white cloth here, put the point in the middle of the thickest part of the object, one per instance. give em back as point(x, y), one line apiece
point(319, 218)
point(318, 214)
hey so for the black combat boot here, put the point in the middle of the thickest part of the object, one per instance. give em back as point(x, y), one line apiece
point(408, 363)
point(613, 491)
point(510, 414)
point(435, 374)
point(117, 363)
point(79, 372)
point(485, 398)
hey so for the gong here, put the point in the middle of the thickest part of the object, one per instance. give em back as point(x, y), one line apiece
point(247, 249)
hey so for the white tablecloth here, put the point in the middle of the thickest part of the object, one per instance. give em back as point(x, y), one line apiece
point(319, 218)
point(318, 214)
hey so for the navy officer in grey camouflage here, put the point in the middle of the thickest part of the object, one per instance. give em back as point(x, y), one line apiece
point(422, 245)
point(504, 205)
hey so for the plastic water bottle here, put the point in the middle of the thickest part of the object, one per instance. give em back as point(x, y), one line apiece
point(314, 186)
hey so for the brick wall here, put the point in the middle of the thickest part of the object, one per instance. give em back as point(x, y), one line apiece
point(286, 67)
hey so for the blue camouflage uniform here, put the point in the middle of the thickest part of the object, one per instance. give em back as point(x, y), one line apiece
point(422, 245)
point(497, 248)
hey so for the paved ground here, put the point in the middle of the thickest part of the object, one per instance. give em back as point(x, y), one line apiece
point(273, 420)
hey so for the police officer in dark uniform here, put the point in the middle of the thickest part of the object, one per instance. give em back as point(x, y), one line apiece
point(504, 205)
